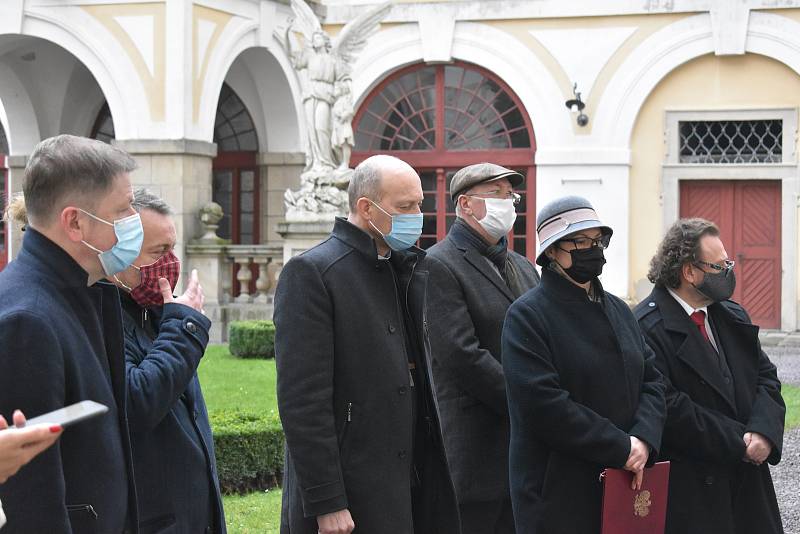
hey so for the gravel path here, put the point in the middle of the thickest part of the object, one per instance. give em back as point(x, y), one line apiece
point(786, 475)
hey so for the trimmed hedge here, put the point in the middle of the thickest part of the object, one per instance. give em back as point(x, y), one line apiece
point(252, 339)
point(249, 450)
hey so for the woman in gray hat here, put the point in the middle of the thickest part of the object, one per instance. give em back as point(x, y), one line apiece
point(583, 391)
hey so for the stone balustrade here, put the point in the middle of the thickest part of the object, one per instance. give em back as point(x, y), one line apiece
point(238, 281)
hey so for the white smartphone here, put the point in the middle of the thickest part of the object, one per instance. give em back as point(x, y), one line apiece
point(69, 415)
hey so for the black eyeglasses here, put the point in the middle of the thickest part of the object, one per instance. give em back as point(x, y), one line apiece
point(726, 266)
point(587, 242)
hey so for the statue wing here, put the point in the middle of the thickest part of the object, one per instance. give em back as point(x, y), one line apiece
point(305, 19)
point(354, 35)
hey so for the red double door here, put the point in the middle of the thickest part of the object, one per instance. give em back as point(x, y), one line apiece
point(748, 214)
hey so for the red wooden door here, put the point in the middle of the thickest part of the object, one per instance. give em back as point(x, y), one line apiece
point(748, 214)
point(3, 197)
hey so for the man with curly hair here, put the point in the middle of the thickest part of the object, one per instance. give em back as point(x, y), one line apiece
point(725, 413)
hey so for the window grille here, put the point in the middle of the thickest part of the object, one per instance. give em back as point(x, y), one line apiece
point(731, 141)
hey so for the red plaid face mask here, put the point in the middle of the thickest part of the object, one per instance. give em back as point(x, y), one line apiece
point(147, 294)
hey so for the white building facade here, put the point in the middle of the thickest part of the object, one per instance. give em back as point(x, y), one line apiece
point(691, 105)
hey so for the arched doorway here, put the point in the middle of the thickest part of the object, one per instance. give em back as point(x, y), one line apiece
point(440, 118)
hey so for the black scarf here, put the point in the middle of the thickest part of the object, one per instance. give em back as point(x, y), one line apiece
point(497, 254)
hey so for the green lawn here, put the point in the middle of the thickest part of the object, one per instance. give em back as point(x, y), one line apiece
point(233, 384)
point(255, 513)
point(791, 394)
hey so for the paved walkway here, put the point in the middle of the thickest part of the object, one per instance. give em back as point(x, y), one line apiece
point(784, 351)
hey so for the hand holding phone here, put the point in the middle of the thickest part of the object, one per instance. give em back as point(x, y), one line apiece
point(69, 415)
point(21, 444)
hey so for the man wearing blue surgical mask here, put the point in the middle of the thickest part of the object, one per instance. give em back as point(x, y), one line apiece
point(61, 337)
point(364, 447)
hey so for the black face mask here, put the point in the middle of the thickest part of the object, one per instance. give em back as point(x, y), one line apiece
point(717, 286)
point(587, 264)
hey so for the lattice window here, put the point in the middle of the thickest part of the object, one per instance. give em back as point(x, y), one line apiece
point(233, 128)
point(476, 113)
point(731, 141)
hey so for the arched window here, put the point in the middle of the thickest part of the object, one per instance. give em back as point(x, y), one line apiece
point(103, 129)
point(440, 118)
point(236, 181)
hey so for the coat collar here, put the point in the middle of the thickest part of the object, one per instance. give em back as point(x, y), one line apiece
point(361, 241)
point(51, 260)
point(561, 288)
point(692, 348)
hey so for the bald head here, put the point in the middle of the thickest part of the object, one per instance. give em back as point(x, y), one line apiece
point(367, 180)
point(383, 186)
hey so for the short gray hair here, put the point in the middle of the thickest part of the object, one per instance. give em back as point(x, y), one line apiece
point(67, 165)
point(365, 182)
point(144, 199)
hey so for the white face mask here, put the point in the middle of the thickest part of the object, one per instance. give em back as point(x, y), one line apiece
point(500, 216)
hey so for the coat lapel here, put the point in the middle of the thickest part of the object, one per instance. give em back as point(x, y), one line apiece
point(482, 265)
point(740, 341)
point(691, 345)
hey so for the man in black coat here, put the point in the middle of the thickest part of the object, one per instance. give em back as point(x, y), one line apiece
point(61, 337)
point(363, 442)
point(165, 338)
point(474, 278)
point(725, 411)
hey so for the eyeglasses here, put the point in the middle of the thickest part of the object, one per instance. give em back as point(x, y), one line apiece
point(514, 197)
point(587, 242)
point(727, 265)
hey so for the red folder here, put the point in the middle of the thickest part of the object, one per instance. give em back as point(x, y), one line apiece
point(627, 511)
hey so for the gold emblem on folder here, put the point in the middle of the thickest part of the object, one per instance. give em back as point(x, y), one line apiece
point(642, 503)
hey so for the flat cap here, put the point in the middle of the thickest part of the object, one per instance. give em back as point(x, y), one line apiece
point(479, 173)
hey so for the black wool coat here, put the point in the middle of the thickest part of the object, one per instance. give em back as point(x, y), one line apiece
point(344, 392)
point(173, 447)
point(711, 488)
point(61, 342)
point(581, 381)
point(467, 303)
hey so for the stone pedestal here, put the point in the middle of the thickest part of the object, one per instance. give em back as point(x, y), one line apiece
point(301, 236)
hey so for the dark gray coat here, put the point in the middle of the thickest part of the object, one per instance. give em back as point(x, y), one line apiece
point(467, 302)
point(343, 390)
point(581, 380)
point(711, 488)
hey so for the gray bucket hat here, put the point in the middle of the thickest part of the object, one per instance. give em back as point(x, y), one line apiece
point(564, 216)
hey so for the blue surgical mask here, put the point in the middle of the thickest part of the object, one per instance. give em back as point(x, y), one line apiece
point(406, 229)
point(129, 234)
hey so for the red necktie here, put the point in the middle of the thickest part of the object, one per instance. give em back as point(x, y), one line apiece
point(699, 318)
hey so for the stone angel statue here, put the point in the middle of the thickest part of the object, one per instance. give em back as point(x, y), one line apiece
point(324, 66)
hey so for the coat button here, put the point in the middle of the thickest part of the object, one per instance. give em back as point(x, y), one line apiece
point(402, 455)
point(709, 480)
point(652, 304)
point(392, 329)
point(402, 390)
point(191, 328)
point(702, 382)
point(727, 380)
